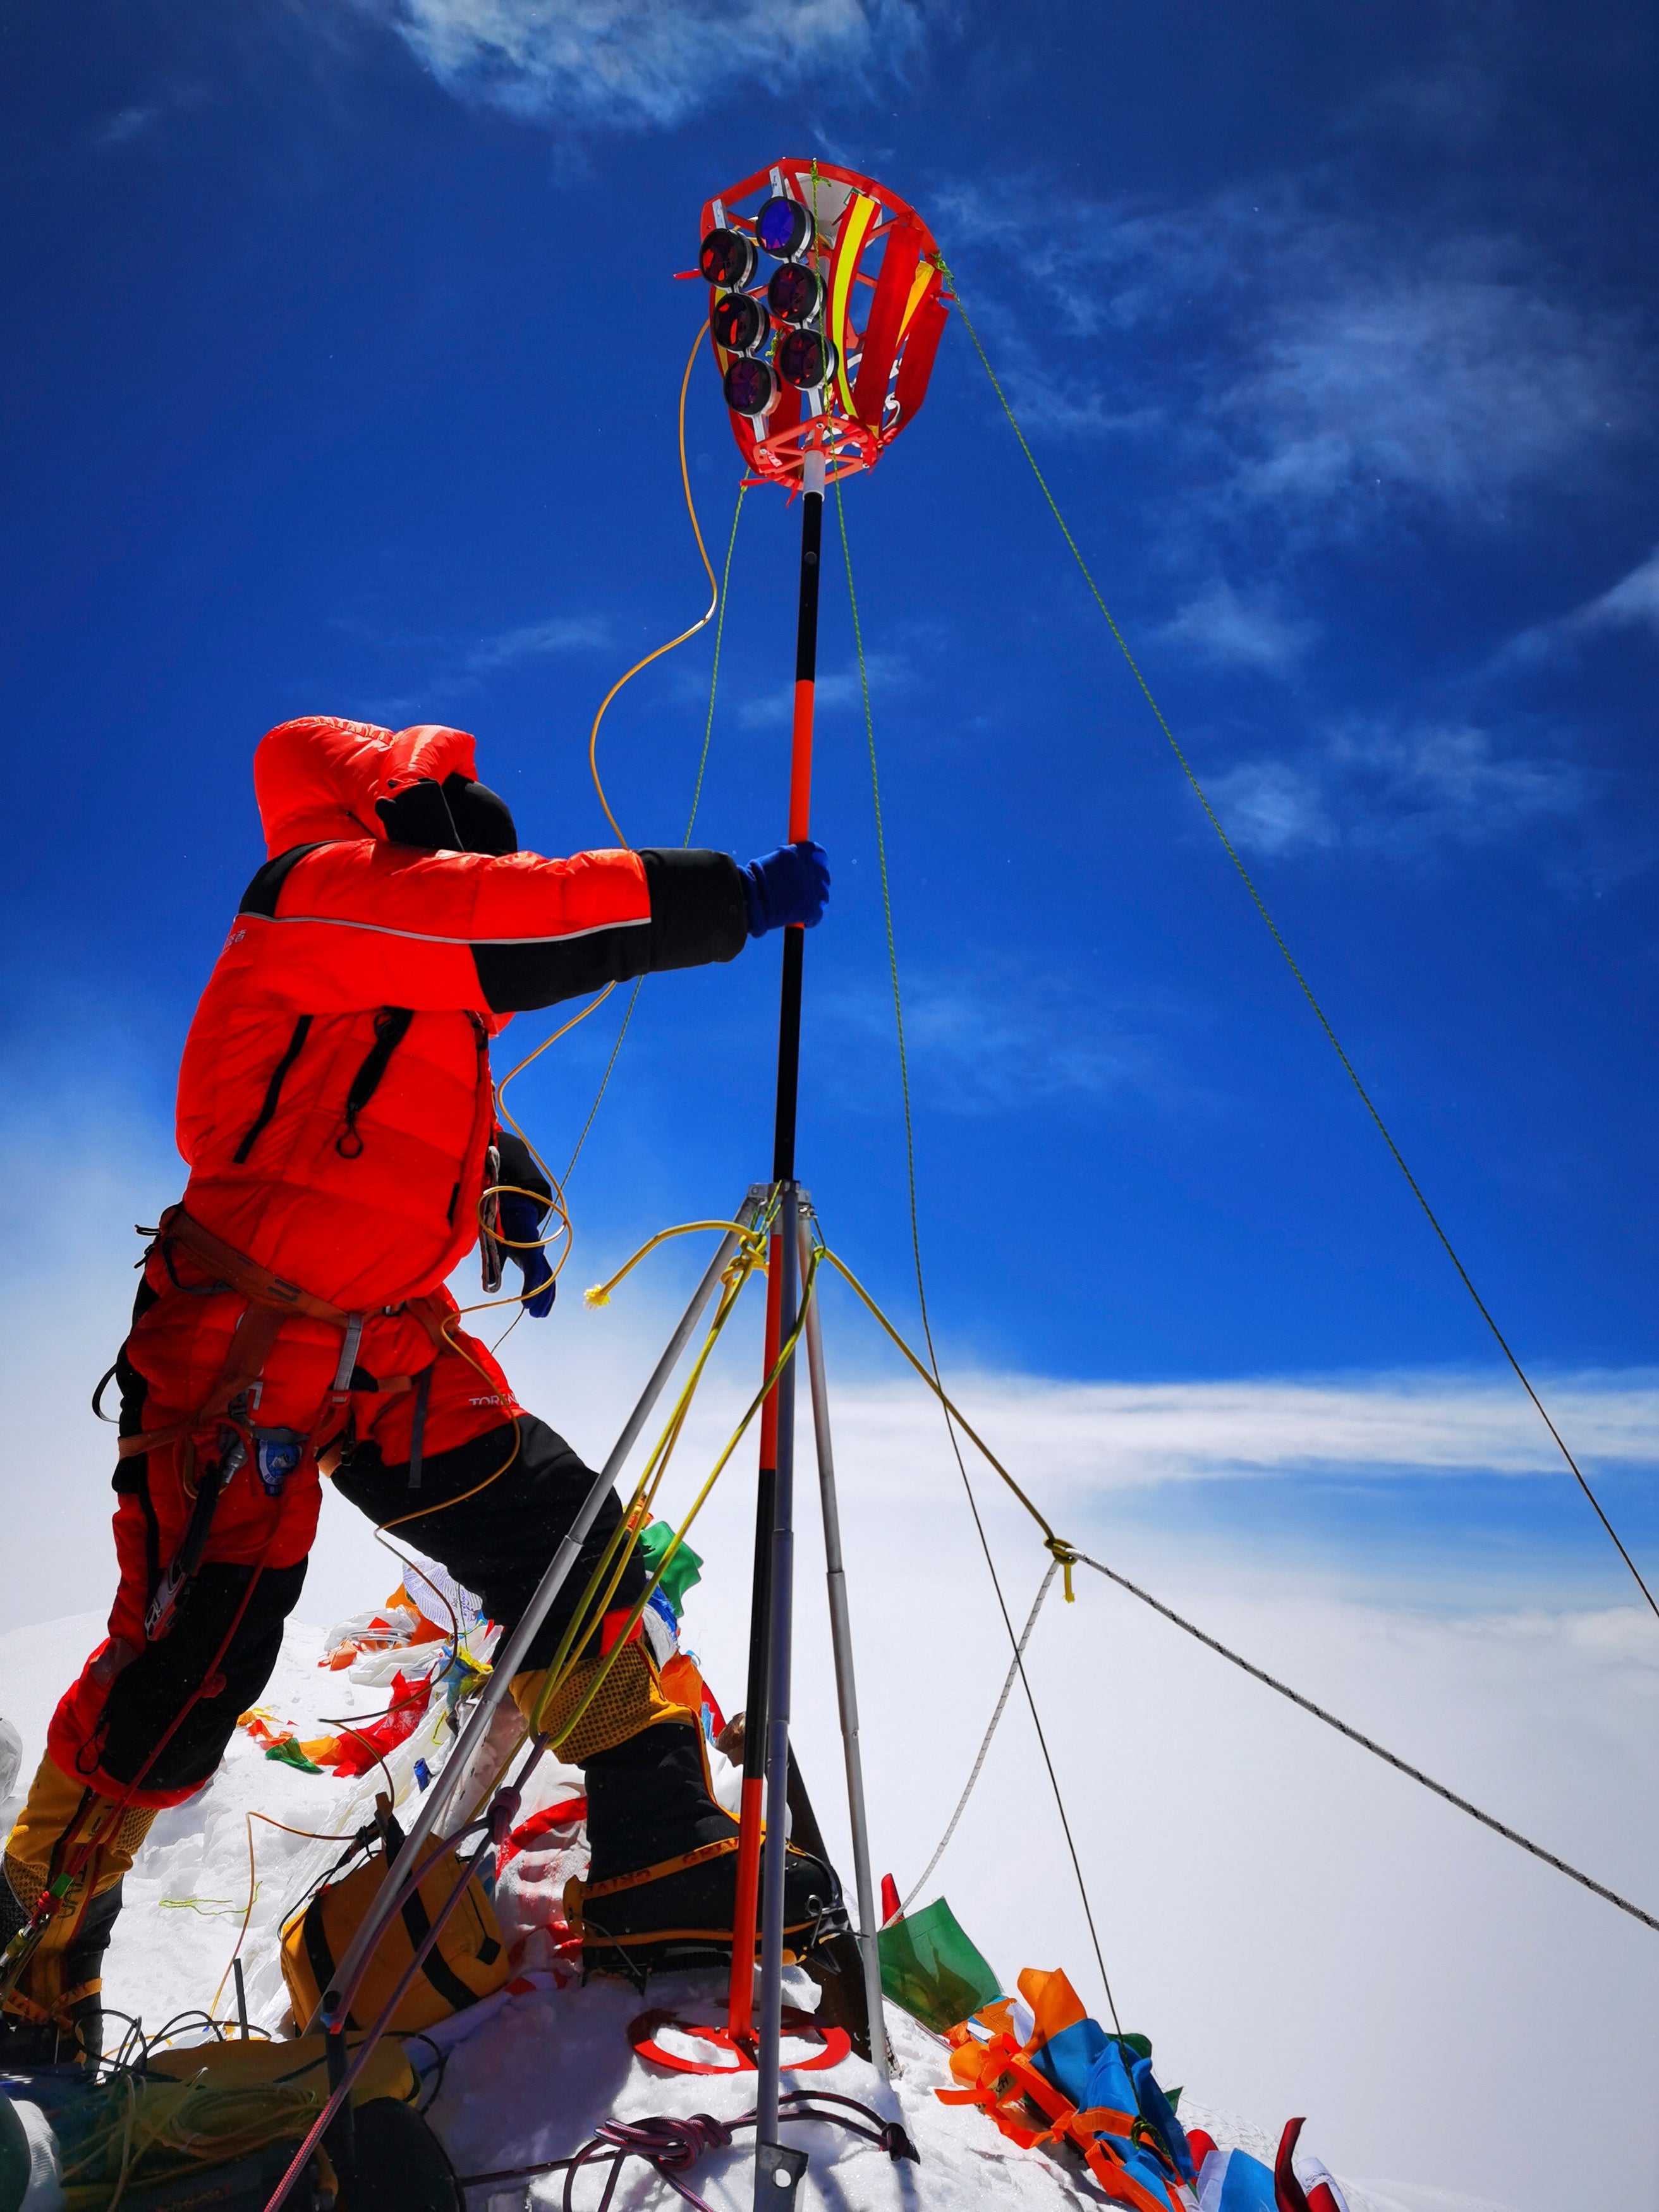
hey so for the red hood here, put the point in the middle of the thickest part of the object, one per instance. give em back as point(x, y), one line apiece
point(319, 777)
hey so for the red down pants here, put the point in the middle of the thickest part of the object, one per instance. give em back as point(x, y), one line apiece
point(134, 1725)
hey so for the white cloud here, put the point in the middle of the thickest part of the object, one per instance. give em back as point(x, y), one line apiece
point(538, 641)
point(1088, 1437)
point(1458, 381)
point(141, 119)
point(1247, 630)
point(1273, 806)
point(842, 688)
point(1631, 604)
point(1000, 1041)
point(632, 63)
point(131, 123)
point(1375, 787)
point(1309, 359)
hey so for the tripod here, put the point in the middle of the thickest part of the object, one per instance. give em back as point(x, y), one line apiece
point(778, 2168)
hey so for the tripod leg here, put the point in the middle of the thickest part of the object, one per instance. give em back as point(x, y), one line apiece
point(780, 1638)
point(508, 1660)
point(841, 1635)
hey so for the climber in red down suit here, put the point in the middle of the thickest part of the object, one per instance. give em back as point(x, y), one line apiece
point(336, 1110)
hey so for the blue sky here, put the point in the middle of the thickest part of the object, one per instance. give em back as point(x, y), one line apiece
point(342, 355)
point(342, 377)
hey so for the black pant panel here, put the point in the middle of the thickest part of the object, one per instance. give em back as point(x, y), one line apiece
point(499, 1542)
point(151, 1689)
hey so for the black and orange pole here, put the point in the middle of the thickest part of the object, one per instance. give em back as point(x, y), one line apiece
point(759, 1891)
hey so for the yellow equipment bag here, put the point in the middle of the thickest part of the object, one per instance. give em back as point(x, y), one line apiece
point(467, 1962)
point(298, 2062)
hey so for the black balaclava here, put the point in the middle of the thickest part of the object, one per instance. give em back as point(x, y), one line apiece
point(455, 816)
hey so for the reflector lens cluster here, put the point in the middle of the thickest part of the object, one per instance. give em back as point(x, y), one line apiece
point(742, 323)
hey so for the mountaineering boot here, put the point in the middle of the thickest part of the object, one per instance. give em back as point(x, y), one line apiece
point(55, 2014)
point(662, 1882)
point(65, 2021)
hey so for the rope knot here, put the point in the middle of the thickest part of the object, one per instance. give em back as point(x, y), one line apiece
point(1067, 1557)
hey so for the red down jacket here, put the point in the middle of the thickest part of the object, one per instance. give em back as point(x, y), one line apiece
point(335, 1106)
point(334, 1101)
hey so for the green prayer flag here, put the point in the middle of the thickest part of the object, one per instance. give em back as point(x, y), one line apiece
point(930, 1968)
point(684, 1569)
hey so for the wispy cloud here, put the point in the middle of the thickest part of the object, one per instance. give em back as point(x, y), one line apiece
point(995, 1040)
point(143, 118)
point(1311, 360)
point(1248, 630)
point(1087, 1436)
point(1631, 604)
point(635, 63)
point(841, 688)
point(1458, 382)
point(131, 123)
point(559, 633)
point(1383, 789)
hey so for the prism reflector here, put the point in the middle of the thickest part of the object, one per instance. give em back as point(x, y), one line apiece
point(740, 324)
point(727, 257)
point(749, 387)
point(805, 359)
point(795, 294)
point(854, 303)
point(783, 226)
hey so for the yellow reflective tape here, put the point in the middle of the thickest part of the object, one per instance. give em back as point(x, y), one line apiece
point(854, 227)
point(919, 283)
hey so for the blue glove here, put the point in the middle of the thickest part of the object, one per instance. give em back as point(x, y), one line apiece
point(521, 1224)
point(787, 886)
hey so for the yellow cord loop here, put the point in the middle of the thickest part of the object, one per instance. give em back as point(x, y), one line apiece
point(717, 599)
point(701, 623)
point(786, 1353)
point(1068, 1558)
point(755, 1235)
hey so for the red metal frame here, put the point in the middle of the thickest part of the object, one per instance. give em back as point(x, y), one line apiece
point(866, 237)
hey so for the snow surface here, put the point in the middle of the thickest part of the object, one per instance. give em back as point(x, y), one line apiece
point(531, 2073)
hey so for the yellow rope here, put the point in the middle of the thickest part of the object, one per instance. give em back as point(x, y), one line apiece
point(786, 1353)
point(697, 795)
point(717, 599)
point(754, 1234)
point(1056, 1544)
point(701, 624)
point(626, 1534)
